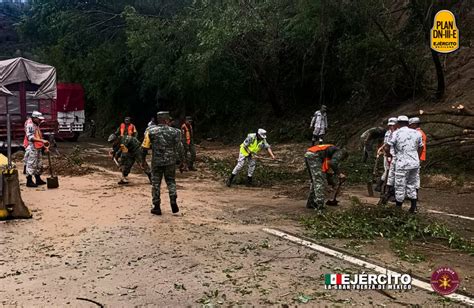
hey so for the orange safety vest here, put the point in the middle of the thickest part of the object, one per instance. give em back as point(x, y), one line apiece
point(423, 151)
point(326, 160)
point(187, 133)
point(131, 129)
point(38, 135)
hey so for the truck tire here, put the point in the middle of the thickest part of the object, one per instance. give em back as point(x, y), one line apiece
point(75, 137)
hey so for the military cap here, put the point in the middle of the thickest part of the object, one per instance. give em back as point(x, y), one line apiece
point(163, 115)
point(414, 120)
point(402, 118)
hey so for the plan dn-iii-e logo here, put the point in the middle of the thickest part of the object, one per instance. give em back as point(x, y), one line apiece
point(445, 33)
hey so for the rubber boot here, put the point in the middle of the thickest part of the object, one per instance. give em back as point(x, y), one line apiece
point(123, 181)
point(230, 180)
point(399, 204)
point(156, 210)
point(29, 182)
point(24, 169)
point(39, 181)
point(378, 187)
point(174, 205)
point(413, 206)
point(249, 181)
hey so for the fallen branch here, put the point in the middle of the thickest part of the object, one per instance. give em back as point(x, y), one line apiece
point(89, 300)
point(467, 127)
point(459, 110)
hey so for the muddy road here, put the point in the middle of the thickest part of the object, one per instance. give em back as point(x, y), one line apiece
point(94, 239)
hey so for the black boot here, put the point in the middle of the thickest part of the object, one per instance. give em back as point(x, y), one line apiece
point(378, 187)
point(29, 182)
point(24, 169)
point(156, 210)
point(230, 180)
point(249, 181)
point(174, 205)
point(191, 167)
point(413, 206)
point(399, 204)
point(39, 181)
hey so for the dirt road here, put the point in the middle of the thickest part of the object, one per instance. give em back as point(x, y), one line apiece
point(94, 239)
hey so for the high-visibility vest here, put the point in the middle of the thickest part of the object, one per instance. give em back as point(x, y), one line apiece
point(326, 160)
point(131, 129)
point(423, 151)
point(187, 133)
point(253, 147)
point(38, 135)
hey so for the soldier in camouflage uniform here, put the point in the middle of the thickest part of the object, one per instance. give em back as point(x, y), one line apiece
point(33, 144)
point(128, 150)
point(319, 160)
point(167, 151)
point(370, 140)
point(406, 144)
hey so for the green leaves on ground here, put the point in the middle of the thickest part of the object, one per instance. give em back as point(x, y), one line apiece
point(366, 222)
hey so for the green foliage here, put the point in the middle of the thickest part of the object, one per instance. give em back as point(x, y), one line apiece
point(233, 64)
point(363, 222)
point(264, 175)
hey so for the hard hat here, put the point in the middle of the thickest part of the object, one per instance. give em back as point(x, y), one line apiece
point(262, 133)
point(163, 115)
point(112, 138)
point(414, 120)
point(392, 121)
point(402, 118)
point(37, 114)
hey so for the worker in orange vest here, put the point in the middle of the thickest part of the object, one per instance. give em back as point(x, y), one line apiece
point(127, 128)
point(322, 160)
point(33, 144)
point(187, 137)
point(414, 123)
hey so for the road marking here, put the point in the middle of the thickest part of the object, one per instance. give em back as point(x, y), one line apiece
point(381, 270)
point(453, 215)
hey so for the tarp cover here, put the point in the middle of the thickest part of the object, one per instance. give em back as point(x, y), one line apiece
point(21, 69)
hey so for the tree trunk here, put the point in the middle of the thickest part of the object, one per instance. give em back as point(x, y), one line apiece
point(439, 75)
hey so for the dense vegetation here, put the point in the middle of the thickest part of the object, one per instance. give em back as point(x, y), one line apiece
point(233, 64)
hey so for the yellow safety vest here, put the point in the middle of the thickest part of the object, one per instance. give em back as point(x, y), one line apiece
point(254, 147)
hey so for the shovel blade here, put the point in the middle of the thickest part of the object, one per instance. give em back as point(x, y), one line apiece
point(332, 202)
point(52, 182)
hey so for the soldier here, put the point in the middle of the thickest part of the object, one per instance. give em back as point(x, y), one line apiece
point(127, 128)
point(414, 123)
point(370, 140)
point(33, 144)
point(319, 160)
point(319, 124)
point(129, 151)
point(407, 145)
point(188, 143)
point(248, 150)
point(386, 160)
point(167, 150)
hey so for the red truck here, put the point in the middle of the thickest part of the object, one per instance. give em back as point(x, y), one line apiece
point(26, 86)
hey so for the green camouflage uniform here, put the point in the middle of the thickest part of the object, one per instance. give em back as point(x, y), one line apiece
point(130, 151)
point(167, 150)
point(314, 162)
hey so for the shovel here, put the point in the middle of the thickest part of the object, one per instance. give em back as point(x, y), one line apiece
point(52, 181)
point(334, 202)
